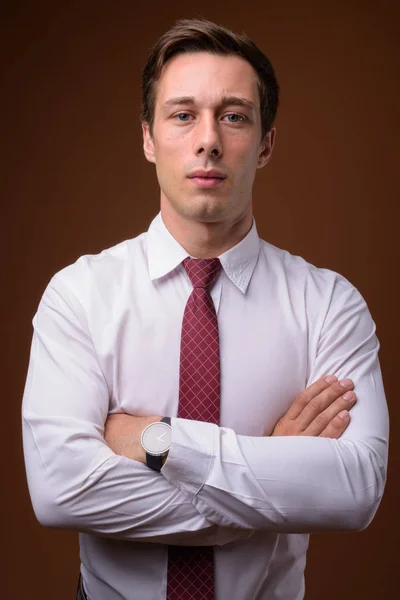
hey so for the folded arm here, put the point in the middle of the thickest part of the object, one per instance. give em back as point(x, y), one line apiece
point(297, 483)
point(75, 479)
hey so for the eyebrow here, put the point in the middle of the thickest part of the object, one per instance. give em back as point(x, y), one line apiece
point(226, 101)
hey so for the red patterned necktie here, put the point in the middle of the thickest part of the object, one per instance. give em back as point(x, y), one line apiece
point(191, 569)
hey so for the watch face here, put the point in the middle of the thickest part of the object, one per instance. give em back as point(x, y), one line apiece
point(156, 438)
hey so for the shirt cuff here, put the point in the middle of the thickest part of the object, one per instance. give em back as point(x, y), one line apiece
point(191, 455)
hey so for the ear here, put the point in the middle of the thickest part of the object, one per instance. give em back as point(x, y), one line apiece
point(266, 147)
point(148, 143)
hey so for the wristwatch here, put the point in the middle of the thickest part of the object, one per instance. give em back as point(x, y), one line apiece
point(156, 440)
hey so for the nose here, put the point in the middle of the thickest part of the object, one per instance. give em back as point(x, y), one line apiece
point(208, 139)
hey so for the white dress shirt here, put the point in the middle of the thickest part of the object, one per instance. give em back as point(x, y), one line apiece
point(107, 340)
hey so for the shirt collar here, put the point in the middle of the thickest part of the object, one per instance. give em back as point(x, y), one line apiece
point(165, 254)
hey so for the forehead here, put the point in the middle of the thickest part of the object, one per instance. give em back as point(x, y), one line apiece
point(207, 77)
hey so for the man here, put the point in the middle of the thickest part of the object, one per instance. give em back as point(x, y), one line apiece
point(245, 355)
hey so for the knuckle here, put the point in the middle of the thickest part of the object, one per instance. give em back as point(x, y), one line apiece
point(321, 420)
point(301, 399)
point(315, 404)
point(335, 389)
point(285, 426)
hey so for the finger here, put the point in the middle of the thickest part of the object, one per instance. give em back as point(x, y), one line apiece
point(320, 403)
point(337, 426)
point(322, 420)
point(302, 400)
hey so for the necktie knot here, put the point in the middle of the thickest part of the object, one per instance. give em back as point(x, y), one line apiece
point(202, 271)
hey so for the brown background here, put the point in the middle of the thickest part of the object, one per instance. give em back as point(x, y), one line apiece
point(74, 181)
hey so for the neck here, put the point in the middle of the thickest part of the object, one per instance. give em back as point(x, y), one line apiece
point(206, 240)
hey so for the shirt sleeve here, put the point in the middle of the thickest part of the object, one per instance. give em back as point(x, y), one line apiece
point(75, 480)
point(297, 484)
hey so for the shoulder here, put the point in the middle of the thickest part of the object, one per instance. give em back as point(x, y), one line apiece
point(297, 273)
point(106, 270)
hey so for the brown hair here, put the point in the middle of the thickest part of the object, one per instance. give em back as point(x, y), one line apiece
point(200, 35)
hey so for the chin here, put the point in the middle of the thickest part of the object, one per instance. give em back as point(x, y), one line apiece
point(205, 212)
point(205, 208)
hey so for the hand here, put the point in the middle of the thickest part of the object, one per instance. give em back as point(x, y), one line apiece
point(122, 433)
point(316, 411)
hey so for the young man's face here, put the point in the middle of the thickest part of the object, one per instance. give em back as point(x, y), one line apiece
point(196, 127)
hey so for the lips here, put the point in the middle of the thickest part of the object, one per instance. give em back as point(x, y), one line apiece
point(207, 182)
point(202, 174)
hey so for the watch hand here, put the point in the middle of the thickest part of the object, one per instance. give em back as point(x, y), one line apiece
point(161, 436)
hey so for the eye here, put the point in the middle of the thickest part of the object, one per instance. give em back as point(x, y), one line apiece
point(237, 118)
point(184, 120)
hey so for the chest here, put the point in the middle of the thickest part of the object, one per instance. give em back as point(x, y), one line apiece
point(264, 356)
